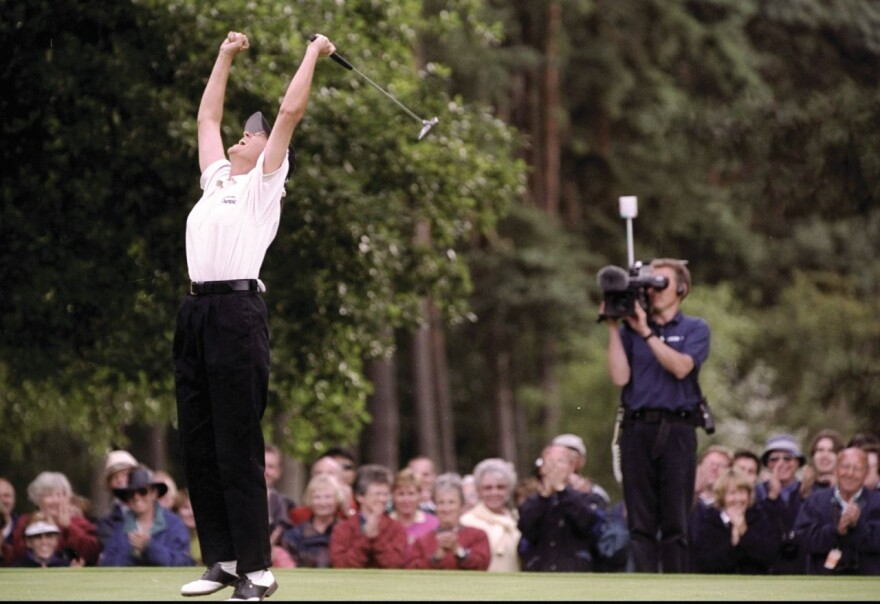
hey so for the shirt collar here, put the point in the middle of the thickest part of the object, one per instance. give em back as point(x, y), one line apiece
point(839, 498)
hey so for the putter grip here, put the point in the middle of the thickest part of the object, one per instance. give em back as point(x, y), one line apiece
point(336, 57)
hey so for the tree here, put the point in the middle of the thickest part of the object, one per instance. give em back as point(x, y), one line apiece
point(120, 161)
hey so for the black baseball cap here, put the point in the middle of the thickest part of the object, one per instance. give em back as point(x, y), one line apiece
point(258, 123)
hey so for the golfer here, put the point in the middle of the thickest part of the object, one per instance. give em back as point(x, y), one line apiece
point(221, 343)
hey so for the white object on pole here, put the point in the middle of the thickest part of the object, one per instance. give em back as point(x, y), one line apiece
point(629, 206)
point(629, 209)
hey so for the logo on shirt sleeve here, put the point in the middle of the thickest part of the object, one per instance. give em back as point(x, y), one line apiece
point(230, 199)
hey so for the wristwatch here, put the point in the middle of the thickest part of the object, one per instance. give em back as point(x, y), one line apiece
point(461, 553)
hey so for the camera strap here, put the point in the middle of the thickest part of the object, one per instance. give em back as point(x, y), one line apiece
point(615, 446)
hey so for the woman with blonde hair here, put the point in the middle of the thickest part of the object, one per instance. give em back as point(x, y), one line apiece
point(309, 541)
point(406, 494)
point(495, 513)
point(734, 536)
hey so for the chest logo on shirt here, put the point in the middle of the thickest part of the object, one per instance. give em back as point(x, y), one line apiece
point(230, 199)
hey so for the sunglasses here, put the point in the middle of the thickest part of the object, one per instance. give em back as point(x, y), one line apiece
point(142, 491)
point(778, 458)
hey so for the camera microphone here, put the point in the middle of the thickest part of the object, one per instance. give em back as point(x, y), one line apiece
point(613, 279)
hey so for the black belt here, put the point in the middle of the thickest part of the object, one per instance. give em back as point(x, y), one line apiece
point(655, 416)
point(200, 288)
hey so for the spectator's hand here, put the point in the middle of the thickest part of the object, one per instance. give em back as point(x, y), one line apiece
point(62, 517)
point(139, 540)
point(580, 483)
point(371, 526)
point(234, 43)
point(774, 485)
point(77, 563)
point(737, 515)
point(849, 518)
point(447, 540)
point(554, 475)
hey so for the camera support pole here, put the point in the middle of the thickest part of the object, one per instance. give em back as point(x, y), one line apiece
point(629, 209)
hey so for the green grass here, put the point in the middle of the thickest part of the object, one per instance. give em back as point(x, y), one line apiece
point(121, 584)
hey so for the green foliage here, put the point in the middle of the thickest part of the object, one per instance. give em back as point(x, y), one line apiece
point(101, 179)
point(748, 130)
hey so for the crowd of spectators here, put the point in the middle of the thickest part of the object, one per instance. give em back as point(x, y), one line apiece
point(776, 511)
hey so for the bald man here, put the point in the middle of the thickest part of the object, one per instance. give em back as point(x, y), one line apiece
point(840, 527)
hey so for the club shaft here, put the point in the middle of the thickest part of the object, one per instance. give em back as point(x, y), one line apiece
point(386, 93)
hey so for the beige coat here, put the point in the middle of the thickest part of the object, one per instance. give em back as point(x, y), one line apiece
point(503, 536)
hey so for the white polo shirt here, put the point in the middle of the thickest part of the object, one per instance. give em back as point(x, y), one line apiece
point(230, 228)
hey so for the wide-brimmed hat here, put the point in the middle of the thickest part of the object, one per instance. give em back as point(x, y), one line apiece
point(117, 461)
point(782, 442)
point(140, 478)
point(573, 442)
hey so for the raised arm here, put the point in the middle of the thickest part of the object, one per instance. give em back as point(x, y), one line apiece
point(293, 105)
point(618, 365)
point(211, 107)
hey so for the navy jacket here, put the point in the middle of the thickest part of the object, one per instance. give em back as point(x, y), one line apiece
point(816, 527)
point(712, 551)
point(559, 532)
point(791, 558)
point(168, 546)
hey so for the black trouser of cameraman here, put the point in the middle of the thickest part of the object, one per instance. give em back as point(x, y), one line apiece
point(658, 463)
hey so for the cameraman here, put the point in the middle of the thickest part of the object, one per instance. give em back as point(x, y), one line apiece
point(657, 360)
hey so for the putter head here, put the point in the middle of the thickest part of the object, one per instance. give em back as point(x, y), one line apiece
point(427, 125)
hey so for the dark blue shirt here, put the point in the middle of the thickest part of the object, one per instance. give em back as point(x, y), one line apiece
point(650, 386)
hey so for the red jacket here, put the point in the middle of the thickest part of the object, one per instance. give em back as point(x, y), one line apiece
point(472, 539)
point(80, 537)
point(350, 548)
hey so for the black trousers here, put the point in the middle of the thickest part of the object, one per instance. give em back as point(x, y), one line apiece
point(221, 370)
point(659, 469)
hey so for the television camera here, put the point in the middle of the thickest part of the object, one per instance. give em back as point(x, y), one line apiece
point(623, 289)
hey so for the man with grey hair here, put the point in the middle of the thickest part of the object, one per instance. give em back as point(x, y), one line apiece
point(840, 527)
point(559, 524)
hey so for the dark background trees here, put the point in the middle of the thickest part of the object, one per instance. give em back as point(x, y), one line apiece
point(445, 288)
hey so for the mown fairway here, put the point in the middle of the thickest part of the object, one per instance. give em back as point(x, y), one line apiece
point(120, 584)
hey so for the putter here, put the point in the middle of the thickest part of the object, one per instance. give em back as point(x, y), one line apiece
point(426, 124)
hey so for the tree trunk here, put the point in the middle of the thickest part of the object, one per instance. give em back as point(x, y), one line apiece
point(294, 473)
point(427, 437)
point(550, 388)
point(446, 417)
point(552, 109)
point(383, 433)
point(427, 442)
point(504, 407)
point(158, 452)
